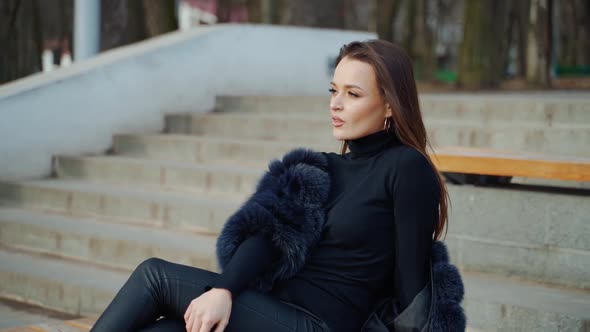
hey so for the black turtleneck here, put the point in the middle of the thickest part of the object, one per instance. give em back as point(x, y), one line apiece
point(380, 217)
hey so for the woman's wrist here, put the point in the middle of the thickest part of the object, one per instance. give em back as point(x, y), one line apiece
point(223, 291)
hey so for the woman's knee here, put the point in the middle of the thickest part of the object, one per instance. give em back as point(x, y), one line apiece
point(166, 325)
point(150, 265)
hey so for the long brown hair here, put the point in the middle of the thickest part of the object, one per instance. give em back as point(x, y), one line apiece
point(390, 63)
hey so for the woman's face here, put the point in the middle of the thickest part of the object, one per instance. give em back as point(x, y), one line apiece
point(356, 100)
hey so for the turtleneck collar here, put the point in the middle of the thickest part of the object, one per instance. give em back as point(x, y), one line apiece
point(370, 145)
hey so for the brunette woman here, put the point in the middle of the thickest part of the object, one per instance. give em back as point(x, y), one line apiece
point(286, 268)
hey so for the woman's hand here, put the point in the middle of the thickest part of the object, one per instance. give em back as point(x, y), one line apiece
point(212, 307)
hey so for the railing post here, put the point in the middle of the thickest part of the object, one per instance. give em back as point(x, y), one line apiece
point(86, 28)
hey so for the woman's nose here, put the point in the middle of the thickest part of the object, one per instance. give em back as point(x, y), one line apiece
point(335, 104)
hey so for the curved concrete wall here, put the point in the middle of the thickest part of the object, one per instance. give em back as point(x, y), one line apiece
point(77, 109)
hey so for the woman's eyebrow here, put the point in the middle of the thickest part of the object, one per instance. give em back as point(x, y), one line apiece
point(348, 85)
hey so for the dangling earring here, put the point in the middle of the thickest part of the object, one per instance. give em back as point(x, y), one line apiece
point(387, 123)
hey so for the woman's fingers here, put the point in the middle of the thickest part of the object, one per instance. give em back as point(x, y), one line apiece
point(207, 312)
point(187, 318)
point(187, 313)
point(196, 324)
point(221, 326)
point(206, 326)
point(189, 324)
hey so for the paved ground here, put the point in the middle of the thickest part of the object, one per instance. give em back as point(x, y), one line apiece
point(13, 314)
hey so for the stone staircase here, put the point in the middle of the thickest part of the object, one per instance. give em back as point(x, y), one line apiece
point(69, 242)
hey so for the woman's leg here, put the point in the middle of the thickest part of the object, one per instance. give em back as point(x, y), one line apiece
point(166, 325)
point(140, 301)
point(160, 288)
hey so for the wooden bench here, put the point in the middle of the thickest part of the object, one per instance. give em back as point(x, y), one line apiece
point(503, 165)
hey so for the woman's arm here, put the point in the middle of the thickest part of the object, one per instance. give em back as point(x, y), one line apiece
point(213, 308)
point(251, 258)
point(415, 200)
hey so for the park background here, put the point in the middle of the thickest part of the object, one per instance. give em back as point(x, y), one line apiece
point(133, 129)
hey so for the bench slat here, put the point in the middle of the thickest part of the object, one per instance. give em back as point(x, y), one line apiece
point(508, 163)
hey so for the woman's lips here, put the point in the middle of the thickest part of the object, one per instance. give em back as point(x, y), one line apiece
point(337, 122)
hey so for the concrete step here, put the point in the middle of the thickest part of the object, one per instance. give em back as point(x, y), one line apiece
point(569, 141)
point(70, 325)
point(494, 303)
point(548, 243)
point(491, 303)
point(122, 170)
point(90, 240)
point(59, 284)
point(15, 314)
point(541, 108)
point(274, 104)
point(253, 126)
point(307, 130)
point(206, 149)
point(514, 231)
point(199, 212)
point(192, 122)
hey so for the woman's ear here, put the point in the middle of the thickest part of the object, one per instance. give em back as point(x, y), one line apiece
point(388, 110)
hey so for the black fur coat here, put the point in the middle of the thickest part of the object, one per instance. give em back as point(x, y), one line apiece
point(287, 206)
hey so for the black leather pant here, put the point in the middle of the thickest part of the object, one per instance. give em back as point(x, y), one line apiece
point(160, 288)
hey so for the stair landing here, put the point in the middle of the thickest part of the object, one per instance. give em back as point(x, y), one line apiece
point(72, 325)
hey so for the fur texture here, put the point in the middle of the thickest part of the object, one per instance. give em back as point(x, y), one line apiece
point(287, 207)
point(447, 315)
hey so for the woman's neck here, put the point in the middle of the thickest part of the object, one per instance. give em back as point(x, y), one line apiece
point(371, 144)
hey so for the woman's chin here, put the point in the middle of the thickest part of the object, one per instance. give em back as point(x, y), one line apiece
point(338, 133)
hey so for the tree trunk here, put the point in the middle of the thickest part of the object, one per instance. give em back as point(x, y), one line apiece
point(223, 10)
point(127, 22)
point(319, 14)
point(484, 41)
point(350, 15)
point(20, 39)
point(255, 11)
point(423, 44)
point(160, 17)
point(385, 13)
point(521, 11)
point(537, 42)
point(66, 18)
point(135, 29)
point(574, 38)
point(410, 27)
point(279, 11)
point(114, 20)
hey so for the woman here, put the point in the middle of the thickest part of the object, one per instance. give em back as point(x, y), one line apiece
point(286, 265)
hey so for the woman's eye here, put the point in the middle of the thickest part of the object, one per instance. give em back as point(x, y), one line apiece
point(353, 94)
point(332, 90)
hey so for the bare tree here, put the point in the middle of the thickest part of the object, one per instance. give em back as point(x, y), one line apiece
point(484, 43)
point(538, 38)
point(223, 10)
point(321, 14)
point(125, 22)
point(518, 28)
point(420, 39)
point(20, 39)
point(414, 34)
point(160, 17)
point(114, 24)
point(384, 14)
point(574, 36)
point(256, 12)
